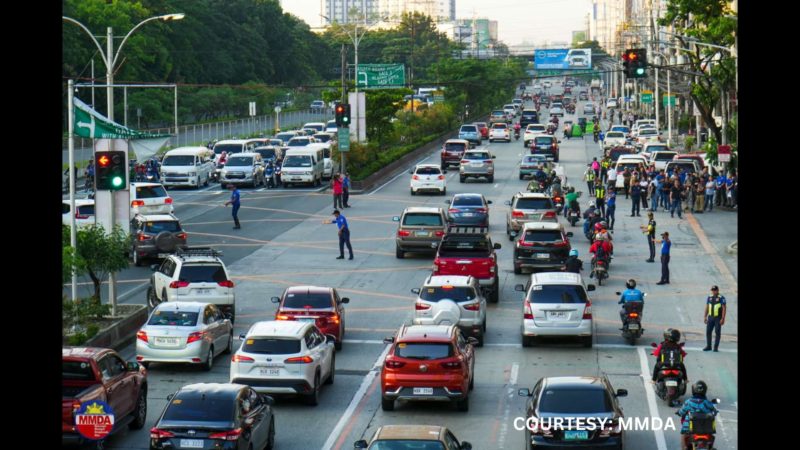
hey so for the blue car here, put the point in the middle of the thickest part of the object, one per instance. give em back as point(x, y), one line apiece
point(470, 133)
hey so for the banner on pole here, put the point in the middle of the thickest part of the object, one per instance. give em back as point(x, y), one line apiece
point(91, 124)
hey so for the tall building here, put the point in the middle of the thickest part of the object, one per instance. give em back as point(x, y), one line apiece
point(474, 33)
point(348, 11)
point(439, 10)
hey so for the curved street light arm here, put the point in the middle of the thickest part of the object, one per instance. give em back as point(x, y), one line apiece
point(99, 47)
point(125, 39)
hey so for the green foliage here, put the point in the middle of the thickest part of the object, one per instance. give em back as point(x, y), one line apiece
point(78, 318)
point(382, 104)
point(98, 254)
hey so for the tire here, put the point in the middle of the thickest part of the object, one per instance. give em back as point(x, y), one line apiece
point(444, 192)
point(463, 404)
point(229, 347)
point(329, 380)
point(387, 404)
point(285, 185)
point(412, 191)
point(140, 411)
point(491, 178)
point(521, 176)
point(338, 345)
point(472, 382)
point(587, 341)
point(137, 261)
point(209, 363)
point(208, 180)
point(527, 341)
point(517, 270)
point(480, 344)
point(494, 297)
point(461, 178)
point(152, 300)
point(270, 435)
point(312, 399)
point(400, 253)
point(164, 297)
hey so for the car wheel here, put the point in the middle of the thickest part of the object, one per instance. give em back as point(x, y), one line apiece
point(480, 344)
point(209, 363)
point(528, 341)
point(270, 435)
point(472, 381)
point(329, 380)
point(463, 404)
point(521, 176)
point(444, 192)
point(412, 191)
point(461, 178)
point(508, 233)
point(229, 347)
point(494, 297)
point(285, 185)
point(313, 398)
point(338, 344)
point(587, 341)
point(517, 270)
point(164, 297)
point(207, 181)
point(399, 253)
point(140, 412)
point(137, 261)
point(491, 178)
point(152, 300)
point(387, 404)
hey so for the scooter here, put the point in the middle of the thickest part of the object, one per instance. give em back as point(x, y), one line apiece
point(632, 323)
point(573, 215)
point(516, 134)
point(278, 173)
point(217, 170)
point(599, 270)
point(701, 429)
point(669, 380)
point(269, 176)
point(558, 200)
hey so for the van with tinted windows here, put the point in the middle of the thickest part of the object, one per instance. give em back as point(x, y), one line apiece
point(187, 166)
point(302, 165)
point(231, 146)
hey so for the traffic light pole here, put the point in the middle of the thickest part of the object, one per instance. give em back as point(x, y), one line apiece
point(73, 232)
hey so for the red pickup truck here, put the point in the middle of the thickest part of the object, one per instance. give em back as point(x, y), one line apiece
point(469, 251)
point(89, 373)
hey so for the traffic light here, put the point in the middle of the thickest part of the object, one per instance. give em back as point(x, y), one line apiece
point(346, 116)
point(635, 63)
point(339, 109)
point(343, 115)
point(110, 171)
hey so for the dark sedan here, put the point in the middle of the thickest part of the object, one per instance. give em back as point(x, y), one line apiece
point(215, 416)
point(468, 210)
point(556, 404)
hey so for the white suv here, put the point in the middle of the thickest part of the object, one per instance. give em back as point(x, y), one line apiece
point(452, 300)
point(428, 177)
point(531, 131)
point(285, 357)
point(498, 132)
point(193, 275)
point(150, 198)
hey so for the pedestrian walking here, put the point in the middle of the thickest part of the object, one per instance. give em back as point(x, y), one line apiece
point(596, 167)
point(611, 176)
point(336, 184)
point(644, 184)
point(600, 197)
point(699, 195)
point(665, 247)
point(714, 317)
point(604, 165)
point(653, 192)
point(711, 187)
point(589, 177)
point(636, 194)
point(650, 232)
point(346, 189)
point(611, 207)
point(344, 233)
point(236, 203)
point(626, 182)
point(675, 196)
point(665, 186)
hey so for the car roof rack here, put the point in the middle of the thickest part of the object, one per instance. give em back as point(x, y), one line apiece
point(461, 229)
point(198, 251)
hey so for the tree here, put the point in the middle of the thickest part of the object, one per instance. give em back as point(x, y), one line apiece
point(382, 104)
point(99, 254)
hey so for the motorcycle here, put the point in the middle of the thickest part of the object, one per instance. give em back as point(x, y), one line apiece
point(217, 170)
point(599, 270)
point(632, 324)
point(558, 200)
point(701, 429)
point(278, 173)
point(516, 134)
point(269, 176)
point(669, 380)
point(596, 135)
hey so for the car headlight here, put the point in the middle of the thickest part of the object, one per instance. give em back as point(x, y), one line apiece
point(307, 172)
point(192, 174)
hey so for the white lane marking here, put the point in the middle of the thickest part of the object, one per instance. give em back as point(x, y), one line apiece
point(622, 346)
point(359, 395)
point(681, 315)
point(512, 380)
point(661, 442)
point(261, 190)
point(400, 174)
point(496, 184)
point(362, 341)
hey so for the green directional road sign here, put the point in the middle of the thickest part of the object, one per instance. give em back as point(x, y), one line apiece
point(381, 76)
point(668, 100)
point(647, 98)
point(344, 139)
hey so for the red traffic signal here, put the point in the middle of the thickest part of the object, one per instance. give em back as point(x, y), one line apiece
point(339, 109)
point(103, 161)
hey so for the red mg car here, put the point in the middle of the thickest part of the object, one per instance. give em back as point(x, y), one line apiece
point(321, 305)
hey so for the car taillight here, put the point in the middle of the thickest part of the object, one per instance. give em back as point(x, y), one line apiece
point(453, 210)
point(439, 233)
point(481, 210)
point(181, 235)
point(587, 311)
point(137, 203)
point(473, 307)
point(415, 177)
point(515, 213)
point(232, 435)
point(168, 201)
point(155, 433)
point(421, 306)
point(391, 364)
point(81, 216)
point(523, 243)
point(178, 284)
point(451, 365)
point(527, 313)
point(299, 360)
point(441, 177)
point(196, 336)
point(284, 317)
point(549, 215)
point(488, 161)
point(334, 319)
point(403, 233)
point(141, 335)
point(226, 283)
point(464, 161)
point(142, 237)
point(242, 359)
point(563, 243)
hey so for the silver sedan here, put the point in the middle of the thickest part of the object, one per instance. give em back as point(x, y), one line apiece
point(184, 332)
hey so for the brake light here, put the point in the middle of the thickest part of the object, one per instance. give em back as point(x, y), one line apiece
point(421, 306)
point(284, 317)
point(671, 372)
point(473, 307)
point(168, 201)
point(226, 283)
point(453, 210)
point(481, 210)
point(299, 360)
point(527, 313)
point(415, 177)
point(464, 161)
point(550, 214)
point(232, 435)
point(155, 433)
point(242, 359)
point(181, 235)
point(334, 319)
point(196, 336)
point(634, 315)
point(522, 242)
point(392, 364)
point(706, 437)
point(439, 233)
point(403, 233)
point(515, 213)
point(178, 284)
point(137, 203)
point(142, 237)
point(81, 216)
point(587, 312)
point(141, 335)
point(441, 177)
point(488, 161)
point(451, 365)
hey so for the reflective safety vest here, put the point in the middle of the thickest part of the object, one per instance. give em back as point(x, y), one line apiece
point(715, 305)
point(590, 176)
point(605, 164)
point(600, 192)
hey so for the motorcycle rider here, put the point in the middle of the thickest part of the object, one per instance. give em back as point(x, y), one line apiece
point(571, 201)
point(573, 264)
point(631, 294)
point(516, 129)
point(698, 403)
point(269, 174)
point(671, 338)
point(601, 251)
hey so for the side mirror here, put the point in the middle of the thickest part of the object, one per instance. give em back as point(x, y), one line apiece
point(411, 172)
point(132, 366)
point(558, 142)
point(654, 345)
point(415, 291)
point(169, 396)
point(388, 340)
point(507, 203)
point(345, 299)
point(275, 299)
point(497, 246)
point(494, 156)
point(716, 401)
point(360, 444)
point(466, 446)
point(519, 287)
point(396, 219)
point(488, 202)
point(447, 201)
point(569, 233)
point(242, 336)
point(153, 267)
point(622, 392)
point(525, 392)
point(590, 287)
point(472, 340)
point(267, 399)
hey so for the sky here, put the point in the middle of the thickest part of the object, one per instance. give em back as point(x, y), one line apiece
point(518, 20)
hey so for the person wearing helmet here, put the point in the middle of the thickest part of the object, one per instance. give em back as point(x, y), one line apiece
point(631, 294)
point(571, 201)
point(697, 404)
point(573, 264)
point(671, 341)
point(600, 250)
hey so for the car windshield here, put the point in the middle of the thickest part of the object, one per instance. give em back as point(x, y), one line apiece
point(201, 407)
point(629, 166)
point(239, 161)
point(533, 203)
point(455, 146)
point(308, 300)
point(574, 401)
point(271, 346)
point(622, 129)
point(277, 142)
point(298, 142)
point(647, 131)
point(498, 113)
point(228, 148)
point(664, 156)
point(499, 126)
point(203, 273)
point(322, 137)
point(557, 293)
point(76, 371)
point(531, 159)
point(685, 167)
point(267, 153)
point(474, 155)
point(543, 236)
point(615, 134)
point(284, 137)
point(617, 152)
point(150, 191)
point(297, 161)
point(158, 227)
point(178, 160)
point(86, 210)
point(429, 171)
point(423, 350)
point(455, 293)
point(536, 127)
point(468, 129)
point(543, 140)
point(467, 201)
point(528, 114)
point(423, 219)
point(409, 444)
point(174, 318)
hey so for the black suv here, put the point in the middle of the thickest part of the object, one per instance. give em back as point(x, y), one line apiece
point(541, 245)
point(155, 236)
point(528, 116)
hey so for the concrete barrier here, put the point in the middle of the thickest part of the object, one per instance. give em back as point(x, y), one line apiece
point(119, 334)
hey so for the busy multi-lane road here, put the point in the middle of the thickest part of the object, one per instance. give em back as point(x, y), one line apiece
point(283, 242)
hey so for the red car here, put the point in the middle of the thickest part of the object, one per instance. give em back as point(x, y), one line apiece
point(322, 305)
point(428, 363)
point(484, 129)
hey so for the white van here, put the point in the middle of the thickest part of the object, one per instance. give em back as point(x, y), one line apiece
point(318, 126)
point(231, 146)
point(187, 166)
point(633, 162)
point(302, 165)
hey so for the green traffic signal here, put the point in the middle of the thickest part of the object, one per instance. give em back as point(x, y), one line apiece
point(640, 71)
point(116, 181)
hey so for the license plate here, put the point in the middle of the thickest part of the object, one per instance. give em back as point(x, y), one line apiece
point(557, 315)
point(542, 255)
point(422, 233)
point(171, 341)
point(633, 326)
point(423, 391)
point(306, 319)
point(576, 435)
point(202, 291)
point(295, 179)
point(468, 214)
point(192, 443)
point(270, 372)
point(671, 383)
point(476, 164)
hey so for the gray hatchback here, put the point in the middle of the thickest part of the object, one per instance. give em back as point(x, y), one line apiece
point(476, 163)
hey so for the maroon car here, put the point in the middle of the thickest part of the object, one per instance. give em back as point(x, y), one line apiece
point(321, 305)
point(452, 152)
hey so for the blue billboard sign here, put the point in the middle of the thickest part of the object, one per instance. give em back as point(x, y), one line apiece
point(563, 58)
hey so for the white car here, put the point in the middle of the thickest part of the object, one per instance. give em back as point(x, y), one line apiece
point(611, 103)
point(150, 198)
point(531, 131)
point(556, 110)
point(193, 275)
point(646, 135)
point(613, 139)
point(331, 127)
point(84, 214)
point(632, 162)
point(285, 357)
point(660, 158)
point(452, 300)
point(499, 132)
point(510, 110)
point(428, 177)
